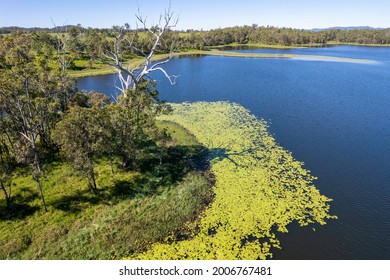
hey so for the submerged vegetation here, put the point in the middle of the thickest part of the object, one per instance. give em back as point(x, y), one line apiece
point(260, 189)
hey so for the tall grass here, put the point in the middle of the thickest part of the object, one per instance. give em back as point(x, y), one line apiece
point(131, 211)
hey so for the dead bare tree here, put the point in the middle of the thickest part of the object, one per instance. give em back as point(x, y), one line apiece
point(66, 55)
point(63, 40)
point(125, 41)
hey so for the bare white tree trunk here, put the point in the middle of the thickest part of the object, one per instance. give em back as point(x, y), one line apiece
point(130, 78)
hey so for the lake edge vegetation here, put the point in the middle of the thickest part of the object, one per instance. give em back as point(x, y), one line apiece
point(260, 189)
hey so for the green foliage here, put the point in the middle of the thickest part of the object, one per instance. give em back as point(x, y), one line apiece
point(260, 189)
point(133, 121)
point(81, 137)
point(7, 165)
point(131, 211)
point(32, 97)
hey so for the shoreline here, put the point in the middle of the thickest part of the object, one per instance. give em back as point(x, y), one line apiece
point(104, 69)
point(251, 197)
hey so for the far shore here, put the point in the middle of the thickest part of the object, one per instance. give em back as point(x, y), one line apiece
point(104, 69)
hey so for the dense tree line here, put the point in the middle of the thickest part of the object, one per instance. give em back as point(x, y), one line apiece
point(55, 29)
point(222, 36)
point(282, 36)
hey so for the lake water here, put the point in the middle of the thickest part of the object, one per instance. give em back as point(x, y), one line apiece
point(333, 116)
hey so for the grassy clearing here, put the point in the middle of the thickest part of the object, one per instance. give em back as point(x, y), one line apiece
point(260, 189)
point(179, 133)
point(99, 68)
point(131, 211)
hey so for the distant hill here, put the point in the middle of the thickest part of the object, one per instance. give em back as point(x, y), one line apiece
point(347, 28)
point(10, 29)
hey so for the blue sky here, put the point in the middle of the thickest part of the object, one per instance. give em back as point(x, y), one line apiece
point(198, 14)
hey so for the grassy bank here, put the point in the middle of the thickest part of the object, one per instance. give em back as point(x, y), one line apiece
point(99, 68)
point(131, 211)
point(260, 189)
point(262, 46)
point(335, 43)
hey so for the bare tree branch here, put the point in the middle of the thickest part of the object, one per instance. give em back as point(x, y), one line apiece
point(124, 42)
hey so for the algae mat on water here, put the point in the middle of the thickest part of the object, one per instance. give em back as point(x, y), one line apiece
point(259, 190)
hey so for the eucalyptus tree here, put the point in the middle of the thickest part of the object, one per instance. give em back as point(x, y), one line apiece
point(132, 121)
point(125, 41)
point(68, 48)
point(134, 114)
point(81, 136)
point(30, 100)
point(7, 164)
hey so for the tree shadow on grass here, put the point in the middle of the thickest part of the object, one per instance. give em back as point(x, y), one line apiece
point(20, 207)
point(170, 165)
point(18, 211)
point(78, 201)
point(158, 169)
point(124, 189)
point(162, 168)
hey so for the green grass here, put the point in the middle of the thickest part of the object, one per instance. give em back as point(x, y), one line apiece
point(179, 133)
point(103, 69)
point(131, 211)
point(99, 68)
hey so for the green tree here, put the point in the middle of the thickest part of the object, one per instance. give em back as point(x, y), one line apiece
point(31, 101)
point(132, 122)
point(81, 138)
point(7, 163)
point(23, 101)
